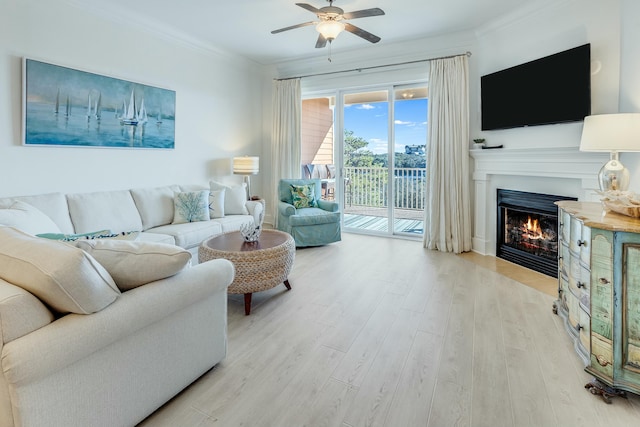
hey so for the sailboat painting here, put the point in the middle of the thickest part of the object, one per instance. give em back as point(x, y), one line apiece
point(73, 108)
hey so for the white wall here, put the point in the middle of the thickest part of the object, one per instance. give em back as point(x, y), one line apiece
point(630, 79)
point(561, 25)
point(218, 102)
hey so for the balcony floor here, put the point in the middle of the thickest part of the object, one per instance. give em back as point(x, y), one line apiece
point(365, 218)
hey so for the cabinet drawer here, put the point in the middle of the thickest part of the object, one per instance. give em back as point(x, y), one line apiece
point(564, 225)
point(601, 301)
point(601, 356)
point(585, 330)
point(602, 247)
point(579, 282)
point(574, 310)
point(564, 260)
point(585, 248)
point(575, 239)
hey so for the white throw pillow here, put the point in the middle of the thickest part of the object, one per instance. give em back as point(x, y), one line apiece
point(132, 264)
point(191, 206)
point(27, 218)
point(216, 204)
point(235, 198)
point(62, 276)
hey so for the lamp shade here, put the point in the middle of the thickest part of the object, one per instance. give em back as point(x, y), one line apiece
point(246, 165)
point(611, 132)
point(330, 29)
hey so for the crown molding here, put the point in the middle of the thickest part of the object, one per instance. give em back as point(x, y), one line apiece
point(157, 29)
point(514, 18)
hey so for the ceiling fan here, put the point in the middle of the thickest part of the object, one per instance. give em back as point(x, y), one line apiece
point(332, 22)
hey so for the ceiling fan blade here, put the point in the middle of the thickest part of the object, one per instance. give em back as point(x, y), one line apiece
point(376, 11)
point(308, 7)
point(292, 27)
point(322, 42)
point(361, 33)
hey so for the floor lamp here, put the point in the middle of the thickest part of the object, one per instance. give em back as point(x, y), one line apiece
point(614, 133)
point(247, 166)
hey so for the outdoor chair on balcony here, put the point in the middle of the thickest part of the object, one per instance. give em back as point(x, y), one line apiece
point(303, 214)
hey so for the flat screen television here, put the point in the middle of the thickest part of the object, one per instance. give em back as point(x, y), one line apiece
point(553, 89)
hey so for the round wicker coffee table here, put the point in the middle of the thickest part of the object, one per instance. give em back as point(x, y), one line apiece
point(260, 265)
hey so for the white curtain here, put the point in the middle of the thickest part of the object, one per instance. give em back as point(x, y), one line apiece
point(448, 204)
point(285, 135)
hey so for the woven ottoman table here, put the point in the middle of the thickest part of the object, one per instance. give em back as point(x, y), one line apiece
point(260, 265)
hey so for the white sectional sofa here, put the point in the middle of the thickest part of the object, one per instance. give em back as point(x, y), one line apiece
point(118, 364)
point(148, 210)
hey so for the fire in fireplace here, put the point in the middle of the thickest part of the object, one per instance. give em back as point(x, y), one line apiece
point(527, 232)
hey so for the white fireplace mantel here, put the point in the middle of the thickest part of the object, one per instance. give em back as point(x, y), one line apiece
point(555, 170)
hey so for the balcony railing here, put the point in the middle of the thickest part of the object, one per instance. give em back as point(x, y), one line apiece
point(369, 187)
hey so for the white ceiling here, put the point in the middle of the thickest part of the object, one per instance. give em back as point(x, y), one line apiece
point(244, 26)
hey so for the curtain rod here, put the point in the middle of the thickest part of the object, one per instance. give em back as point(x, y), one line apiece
point(468, 54)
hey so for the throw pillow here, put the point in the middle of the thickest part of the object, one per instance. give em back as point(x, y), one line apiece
point(62, 276)
point(102, 234)
point(304, 196)
point(235, 198)
point(216, 204)
point(191, 206)
point(27, 218)
point(132, 264)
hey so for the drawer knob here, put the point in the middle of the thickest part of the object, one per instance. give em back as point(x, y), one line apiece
point(581, 285)
point(604, 281)
point(602, 361)
point(582, 243)
point(580, 327)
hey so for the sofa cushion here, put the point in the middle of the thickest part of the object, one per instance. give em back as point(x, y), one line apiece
point(190, 234)
point(235, 197)
point(150, 236)
point(313, 216)
point(62, 276)
point(233, 222)
point(25, 217)
point(132, 264)
point(155, 205)
point(216, 204)
point(113, 210)
point(20, 312)
point(53, 205)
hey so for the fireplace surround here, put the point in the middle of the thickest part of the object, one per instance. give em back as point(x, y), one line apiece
point(550, 170)
point(527, 229)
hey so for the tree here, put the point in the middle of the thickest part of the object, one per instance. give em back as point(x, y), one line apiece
point(354, 153)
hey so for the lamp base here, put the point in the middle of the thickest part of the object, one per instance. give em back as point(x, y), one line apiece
point(613, 175)
point(247, 181)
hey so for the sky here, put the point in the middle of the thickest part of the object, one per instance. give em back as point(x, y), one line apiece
point(370, 121)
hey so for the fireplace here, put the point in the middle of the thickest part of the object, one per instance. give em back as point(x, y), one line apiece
point(527, 229)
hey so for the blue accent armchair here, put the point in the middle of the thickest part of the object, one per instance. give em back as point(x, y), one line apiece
point(308, 226)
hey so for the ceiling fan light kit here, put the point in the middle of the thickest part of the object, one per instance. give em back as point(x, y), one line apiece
point(330, 29)
point(332, 22)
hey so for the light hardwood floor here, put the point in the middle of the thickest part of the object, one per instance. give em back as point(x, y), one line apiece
point(381, 332)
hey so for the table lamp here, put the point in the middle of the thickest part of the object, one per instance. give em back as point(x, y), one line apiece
point(614, 133)
point(246, 165)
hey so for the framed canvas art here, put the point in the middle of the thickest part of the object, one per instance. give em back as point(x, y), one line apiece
point(67, 107)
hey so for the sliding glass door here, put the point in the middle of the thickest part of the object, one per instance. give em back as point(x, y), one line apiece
point(383, 159)
point(368, 149)
point(409, 158)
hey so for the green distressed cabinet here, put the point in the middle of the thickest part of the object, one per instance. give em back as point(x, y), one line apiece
point(599, 290)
